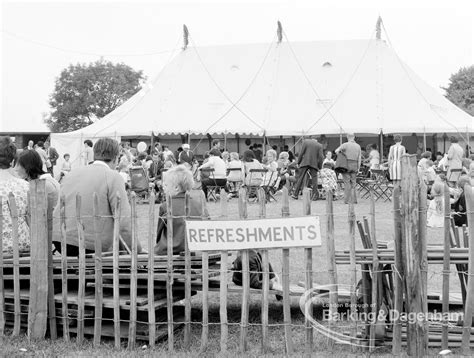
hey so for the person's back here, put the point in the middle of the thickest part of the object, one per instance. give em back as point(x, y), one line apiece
point(235, 175)
point(253, 178)
point(108, 184)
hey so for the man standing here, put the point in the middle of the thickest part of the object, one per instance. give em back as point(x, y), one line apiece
point(30, 145)
point(52, 156)
point(310, 160)
point(44, 158)
point(352, 152)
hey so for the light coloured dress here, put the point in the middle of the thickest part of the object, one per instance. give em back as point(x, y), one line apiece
point(19, 188)
point(394, 161)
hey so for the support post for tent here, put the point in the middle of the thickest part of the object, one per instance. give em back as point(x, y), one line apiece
point(151, 144)
point(340, 136)
point(445, 136)
point(237, 137)
point(381, 146)
point(424, 139)
point(264, 143)
point(468, 149)
point(225, 140)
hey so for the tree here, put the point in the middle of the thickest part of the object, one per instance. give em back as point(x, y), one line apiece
point(85, 93)
point(461, 89)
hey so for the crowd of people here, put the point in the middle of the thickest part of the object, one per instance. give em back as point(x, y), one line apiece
point(107, 165)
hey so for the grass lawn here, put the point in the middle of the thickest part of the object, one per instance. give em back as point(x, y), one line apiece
point(384, 232)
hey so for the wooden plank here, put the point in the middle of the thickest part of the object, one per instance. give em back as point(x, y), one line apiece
point(187, 283)
point(38, 305)
point(169, 272)
point(242, 204)
point(116, 249)
point(411, 254)
point(375, 275)
point(446, 264)
point(223, 288)
point(151, 264)
point(265, 276)
point(353, 268)
point(308, 253)
point(98, 272)
point(64, 285)
point(82, 271)
point(132, 326)
point(332, 268)
point(2, 298)
point(286, 281)
point(468, 311)
point(398, 272)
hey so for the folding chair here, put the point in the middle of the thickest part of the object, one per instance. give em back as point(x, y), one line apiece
point(381, 186)
point(234, 185)
point(254, 182)
point(454, 175)
point(139, 182)
point(212, 190)
point(268, 185)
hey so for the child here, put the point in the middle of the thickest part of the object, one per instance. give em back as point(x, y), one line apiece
point(328, 179)
point(66, 168)
point(235, 175)
point(435, 217)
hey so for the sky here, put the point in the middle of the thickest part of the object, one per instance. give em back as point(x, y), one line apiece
point(39, 39)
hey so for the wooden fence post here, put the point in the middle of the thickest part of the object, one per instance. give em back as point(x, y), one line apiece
point(38, 305)
point(169, 272)
point(115, 265)
point(416, 331)
point(468, 311)
point(205, 290)
point(98, 273)
point(2, 292)
point(223, 285)
point(151, 271)
point(265, 276)
point(422, 222)
point(132, 327)
point(64, 285)
point(53, 329)
point(187, 282)
point(81, 292)
point(446, 264)
point(332, 268)
point(308, 273)
point(286, 280)
point(398, 274)
point(244, 321)
point(376, 275)
point(353, 268)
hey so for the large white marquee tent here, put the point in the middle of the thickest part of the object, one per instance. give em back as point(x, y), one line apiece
point(282, 88)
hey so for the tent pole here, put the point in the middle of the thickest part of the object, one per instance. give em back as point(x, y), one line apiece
point(340, 136)
point(151, 143)
point(225, 140)
point(468, 149)
point(424, 139)
point(381, 146)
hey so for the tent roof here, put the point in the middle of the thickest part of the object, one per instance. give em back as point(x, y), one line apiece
point(324, 87)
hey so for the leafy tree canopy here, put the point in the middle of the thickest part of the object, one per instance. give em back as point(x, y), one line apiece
point(461, 89)
point(84, 93)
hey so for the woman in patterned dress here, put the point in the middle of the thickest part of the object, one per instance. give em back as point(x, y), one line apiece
point(394, 159)
point(9, 183)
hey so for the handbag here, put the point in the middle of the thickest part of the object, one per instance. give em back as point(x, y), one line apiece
point(341, 163)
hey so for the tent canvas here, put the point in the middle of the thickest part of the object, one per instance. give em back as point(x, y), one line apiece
point(292, 89)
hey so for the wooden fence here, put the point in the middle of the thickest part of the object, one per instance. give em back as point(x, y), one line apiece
point(127, 295)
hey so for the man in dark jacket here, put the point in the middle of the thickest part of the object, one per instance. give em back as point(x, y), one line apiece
point(52, 156)
point(310, 160)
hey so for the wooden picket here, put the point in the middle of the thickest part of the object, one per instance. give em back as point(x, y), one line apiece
point(2, 290)
point(64, 285)
point(151, 265)
point(98, 273)
point(132, 327)
point(223, 288)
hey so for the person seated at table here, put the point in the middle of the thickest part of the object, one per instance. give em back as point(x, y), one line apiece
point(425, 156)
point(286, 168)
point(328, 159)
point(10, 183)
point(219, 176)
point(235, 177)
point(270, 176)
point(99, 177)
point(176, 183)
point(459, 214)
point(251, 163)
point(255, 272)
